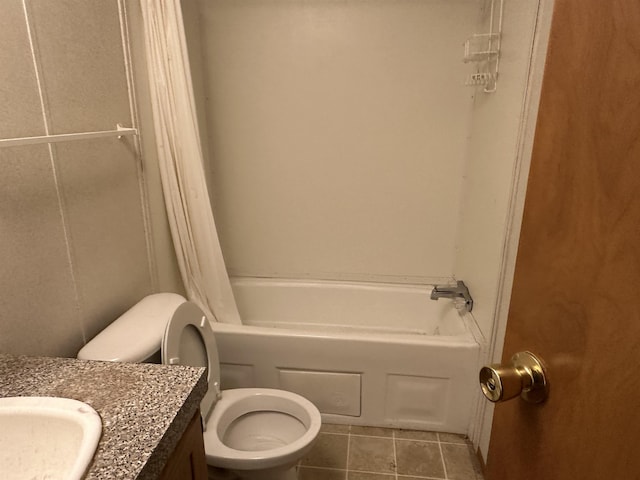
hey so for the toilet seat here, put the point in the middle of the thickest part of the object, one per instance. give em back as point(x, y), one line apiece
point(236, 403)
point(188, 340)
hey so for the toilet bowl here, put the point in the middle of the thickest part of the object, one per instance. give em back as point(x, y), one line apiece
point(257, 433)
point(264, 429)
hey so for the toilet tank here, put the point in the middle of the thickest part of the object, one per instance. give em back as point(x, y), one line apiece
point(136, 335)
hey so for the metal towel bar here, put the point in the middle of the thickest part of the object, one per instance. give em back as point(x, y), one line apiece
point(68, 137)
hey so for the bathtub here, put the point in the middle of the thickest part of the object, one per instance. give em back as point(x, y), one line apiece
point(365, 354)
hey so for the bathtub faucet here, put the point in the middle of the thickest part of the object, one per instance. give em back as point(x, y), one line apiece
point(459, 291)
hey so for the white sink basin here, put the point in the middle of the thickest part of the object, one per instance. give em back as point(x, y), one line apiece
point(46, 438)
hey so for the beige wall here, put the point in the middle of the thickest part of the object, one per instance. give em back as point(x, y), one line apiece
point(493, 158)
point(337, 134)
point(73, 248)
point(342, 145)
point(163, 256)
point(343, 142)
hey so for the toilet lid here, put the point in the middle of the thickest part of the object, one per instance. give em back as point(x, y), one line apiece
point(188, 340)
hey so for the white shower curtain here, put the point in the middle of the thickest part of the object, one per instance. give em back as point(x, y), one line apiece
point(181, 163)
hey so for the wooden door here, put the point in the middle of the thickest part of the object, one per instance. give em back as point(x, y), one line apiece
point(576, 293)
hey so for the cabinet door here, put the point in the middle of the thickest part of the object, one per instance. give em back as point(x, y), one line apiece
point(188, 460)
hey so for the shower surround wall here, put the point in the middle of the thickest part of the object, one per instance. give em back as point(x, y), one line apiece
point(73, 246)
point(343, 144)
point(337, 135)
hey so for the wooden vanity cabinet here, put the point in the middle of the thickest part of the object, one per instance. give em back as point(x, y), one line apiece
point(188, 462)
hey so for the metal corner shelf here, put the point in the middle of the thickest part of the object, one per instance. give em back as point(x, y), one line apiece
point(483, 50)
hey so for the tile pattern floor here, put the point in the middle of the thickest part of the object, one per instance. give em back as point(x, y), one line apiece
point(344, 452)
point(350, 452)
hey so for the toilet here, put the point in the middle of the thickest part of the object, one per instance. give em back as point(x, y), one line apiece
point(257, 433)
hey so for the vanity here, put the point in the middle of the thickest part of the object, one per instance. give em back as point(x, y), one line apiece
point(150, 414)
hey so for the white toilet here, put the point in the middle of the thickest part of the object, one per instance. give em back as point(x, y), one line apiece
point(257, 433)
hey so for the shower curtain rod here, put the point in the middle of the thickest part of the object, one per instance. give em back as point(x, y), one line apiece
point(68, 137)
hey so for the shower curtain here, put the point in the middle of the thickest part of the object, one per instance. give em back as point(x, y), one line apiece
point(181, 163)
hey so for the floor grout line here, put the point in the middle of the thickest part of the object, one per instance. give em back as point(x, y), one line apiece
point(462, 442)
point(346, 475)
point(444, 465)
point(328, 468)
point(400, 476)
point(425, 478)
point(395, 455)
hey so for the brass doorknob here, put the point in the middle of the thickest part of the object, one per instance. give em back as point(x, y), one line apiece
point(524, 376)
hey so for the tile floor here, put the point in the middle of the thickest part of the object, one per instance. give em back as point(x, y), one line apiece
point(344, 452)
point(349, 452)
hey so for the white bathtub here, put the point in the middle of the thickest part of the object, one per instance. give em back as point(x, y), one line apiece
point(365, 354)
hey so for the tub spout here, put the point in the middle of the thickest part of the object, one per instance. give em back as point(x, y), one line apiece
point(459, 291)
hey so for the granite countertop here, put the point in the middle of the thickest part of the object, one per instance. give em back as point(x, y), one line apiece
point(145, 408)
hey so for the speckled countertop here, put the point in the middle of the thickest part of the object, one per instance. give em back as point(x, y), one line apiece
point(145, 408)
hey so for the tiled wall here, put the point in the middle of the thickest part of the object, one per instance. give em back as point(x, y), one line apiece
point(73, 248)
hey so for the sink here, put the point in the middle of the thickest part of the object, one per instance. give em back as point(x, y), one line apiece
point(46, 438)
